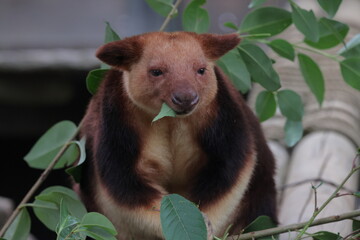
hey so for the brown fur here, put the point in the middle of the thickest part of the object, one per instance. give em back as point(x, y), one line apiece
point(133, 162)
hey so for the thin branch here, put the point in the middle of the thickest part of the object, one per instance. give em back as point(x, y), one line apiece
point(315, 195)
point(353, 234)
point(295, 227)
point(324, 181)
point(333, 195)
point(170, 15)
point(356, 159)
point(38, 183)
point(323, 53)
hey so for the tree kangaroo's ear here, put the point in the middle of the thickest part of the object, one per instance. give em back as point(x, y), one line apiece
point(121, 54)
point(215, 45)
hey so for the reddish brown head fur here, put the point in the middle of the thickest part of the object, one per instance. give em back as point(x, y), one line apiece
point(175, 68)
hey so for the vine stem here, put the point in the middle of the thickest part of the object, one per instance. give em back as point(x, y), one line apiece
point(295, 227)
point(169, 16)
point(39, 181)
point(313, 50)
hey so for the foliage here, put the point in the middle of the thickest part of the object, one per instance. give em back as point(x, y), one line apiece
point(181, 219)
point(165, 111)
point(234, 66)
point(20, 227)
point(195, 18)
point(60, 209)
point(261, 223)
point(46, 148)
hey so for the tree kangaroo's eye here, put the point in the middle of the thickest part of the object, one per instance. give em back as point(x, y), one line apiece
point(201, 71)
point(156, 72)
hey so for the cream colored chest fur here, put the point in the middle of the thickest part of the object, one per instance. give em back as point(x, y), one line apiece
point(170, 155)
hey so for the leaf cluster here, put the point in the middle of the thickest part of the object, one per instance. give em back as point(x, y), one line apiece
point(57, 207)
point(262, 25)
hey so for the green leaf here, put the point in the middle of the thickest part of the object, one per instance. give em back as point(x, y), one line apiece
point(231, 25)
point(352, 48)
point(97, 220)
point(20, 227)
point(305, 22)
point(47, 205)
point(350, 70)
point(162, 7)
point(233, 65)
point(97, 226)
point(283, 48)
point(97, 233)
point(331, 33)
point(94, 79)
point(181, 219)
point(313, 76)
point(48, 146)
point(290, 105)
point(256, 3)
point(265, 105)
point(260, 66)
point(110, 36)
point(330, 6)
point(67, 224)
point(323, 235)
point(261, 223)
point(293, 132)
point(356, 194)
point(165, 111)
point(269, 20)
point(355, 225)
point(76, 171)
point(195, 18)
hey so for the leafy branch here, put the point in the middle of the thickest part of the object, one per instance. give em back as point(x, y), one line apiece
point(295, 227)
point(39, 181)
point(323, 53)
point(303, 227)
point(333, 195)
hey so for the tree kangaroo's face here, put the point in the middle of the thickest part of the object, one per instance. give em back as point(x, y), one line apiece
point(172, 68)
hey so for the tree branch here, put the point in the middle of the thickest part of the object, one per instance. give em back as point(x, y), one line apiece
point(295, 227)
point(169, 16)
point(333, 195)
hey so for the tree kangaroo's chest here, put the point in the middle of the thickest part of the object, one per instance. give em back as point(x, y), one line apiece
point(171, 157)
